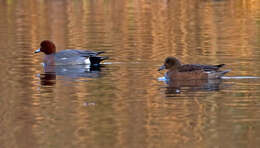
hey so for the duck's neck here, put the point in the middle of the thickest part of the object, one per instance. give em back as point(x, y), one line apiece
point(175, 67)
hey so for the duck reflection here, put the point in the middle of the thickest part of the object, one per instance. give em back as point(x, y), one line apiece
point(68, 71)
point(177, 86)
point(48, 79)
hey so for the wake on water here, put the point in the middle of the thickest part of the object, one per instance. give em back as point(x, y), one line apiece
point(241, 77)
point(236, 77)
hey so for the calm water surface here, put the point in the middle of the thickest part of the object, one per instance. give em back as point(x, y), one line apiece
point(125, 103)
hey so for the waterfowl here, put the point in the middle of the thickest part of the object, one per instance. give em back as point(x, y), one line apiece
point(68, 56)
point(178, 71)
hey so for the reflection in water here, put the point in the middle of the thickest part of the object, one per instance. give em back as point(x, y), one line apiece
point(69, 71)
point(74, 71)
point(48, 79)
point(178, 86)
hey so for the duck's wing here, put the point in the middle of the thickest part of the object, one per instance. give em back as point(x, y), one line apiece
point(211, 67)
point(68, 53)
point(89, 52)
point(194, 67)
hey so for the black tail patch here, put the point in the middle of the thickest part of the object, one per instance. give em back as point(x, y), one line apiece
point(95, 61)
point(220, 65)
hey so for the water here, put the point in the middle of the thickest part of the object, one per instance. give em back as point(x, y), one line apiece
point(127, 103)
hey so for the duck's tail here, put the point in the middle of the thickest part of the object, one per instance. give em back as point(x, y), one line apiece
point(95, 60)
point(220, 65)
point(217, 74)
point(100, 52)
point(222, 73)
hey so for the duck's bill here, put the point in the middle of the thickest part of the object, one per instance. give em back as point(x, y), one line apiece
point(37, 51)
point(161, 68)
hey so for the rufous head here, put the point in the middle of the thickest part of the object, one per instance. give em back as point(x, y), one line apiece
point(47, 47)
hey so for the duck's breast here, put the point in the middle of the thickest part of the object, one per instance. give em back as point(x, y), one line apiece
point(49, 59)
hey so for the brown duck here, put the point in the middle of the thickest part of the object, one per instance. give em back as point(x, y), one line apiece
point(178, 71)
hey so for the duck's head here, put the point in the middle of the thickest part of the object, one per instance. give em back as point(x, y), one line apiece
point(47, 47)
point(170, 63)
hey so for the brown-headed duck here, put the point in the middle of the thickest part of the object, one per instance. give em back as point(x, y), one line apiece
point(68, 56)
point(178, 71)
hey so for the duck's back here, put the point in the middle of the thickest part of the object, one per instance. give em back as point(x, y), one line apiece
point(68, 53)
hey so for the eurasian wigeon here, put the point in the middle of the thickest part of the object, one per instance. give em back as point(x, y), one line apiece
point(68, 56)
point(178, 71)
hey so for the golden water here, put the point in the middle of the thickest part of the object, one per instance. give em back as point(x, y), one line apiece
point(124, 104)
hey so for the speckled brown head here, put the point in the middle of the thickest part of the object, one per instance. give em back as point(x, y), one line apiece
point(47, 47)
point(170, 63)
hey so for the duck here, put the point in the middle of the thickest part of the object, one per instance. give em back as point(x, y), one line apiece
point(68, 56)
point(179, 71)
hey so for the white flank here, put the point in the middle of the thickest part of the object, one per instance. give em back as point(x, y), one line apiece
point(87, 61)
point(43, 64)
